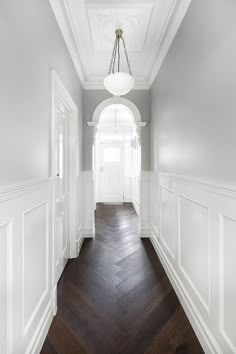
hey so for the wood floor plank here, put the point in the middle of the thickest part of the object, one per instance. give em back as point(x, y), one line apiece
point(115, 298)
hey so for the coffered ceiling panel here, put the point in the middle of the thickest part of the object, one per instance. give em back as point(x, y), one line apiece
point(88, 27)
point(132, 19)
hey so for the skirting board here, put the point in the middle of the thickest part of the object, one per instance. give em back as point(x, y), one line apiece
point(38, 339)
point(145, 232)
point(202, 331)
point(88, 233)
point(79, 245)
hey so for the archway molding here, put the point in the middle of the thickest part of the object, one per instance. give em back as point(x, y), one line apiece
point(117, 100)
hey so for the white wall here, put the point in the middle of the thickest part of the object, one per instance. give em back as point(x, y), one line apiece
point(193, 220)
point(31, 45)
point(193, 97)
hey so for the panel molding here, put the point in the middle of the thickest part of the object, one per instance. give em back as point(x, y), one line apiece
point(203, 333)
point(201, 291)
point(88, 229)
point(8, 290)
point(27, 324)
point(144, 206)
point(184, 271)
point(222, 281)
point(162, 238)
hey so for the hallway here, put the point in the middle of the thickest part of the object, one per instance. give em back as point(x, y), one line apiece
point(116, 298)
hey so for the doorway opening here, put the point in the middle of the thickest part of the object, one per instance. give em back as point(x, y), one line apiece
point(117, 156)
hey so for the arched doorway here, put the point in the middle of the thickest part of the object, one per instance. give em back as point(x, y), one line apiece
point(116, 126)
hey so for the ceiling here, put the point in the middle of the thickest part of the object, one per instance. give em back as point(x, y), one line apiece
point(88, 28)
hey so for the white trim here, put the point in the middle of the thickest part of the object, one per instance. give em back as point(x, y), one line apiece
point(228, 191)
point(17, 190)
point(116, 100)
point(40, 334)
point(177, 12)
point(59, 91)
point(60, 9)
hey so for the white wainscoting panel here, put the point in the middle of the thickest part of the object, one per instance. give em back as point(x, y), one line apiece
point(144, 207)
point(88, 204)
point(35, 253)
point(167, 218)
point(136, 192)
point(5, 260)
point(194, 247)
point(227, 280)
point(25, 266)
point(193, 229)
point(79, 215)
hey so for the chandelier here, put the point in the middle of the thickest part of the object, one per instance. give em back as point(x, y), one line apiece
point(118, 83)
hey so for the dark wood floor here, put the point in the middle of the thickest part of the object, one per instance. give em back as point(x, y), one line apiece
point(115, 298)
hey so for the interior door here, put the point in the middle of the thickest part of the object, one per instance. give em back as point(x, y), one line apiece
point(62, 189)
point(111, 173)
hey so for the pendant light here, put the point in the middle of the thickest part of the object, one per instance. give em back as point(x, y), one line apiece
point(118, 83)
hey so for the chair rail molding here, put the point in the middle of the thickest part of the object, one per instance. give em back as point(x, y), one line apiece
point(193, 228)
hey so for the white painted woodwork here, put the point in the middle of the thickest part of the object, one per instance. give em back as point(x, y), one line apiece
point(62, 188)
point(144, 207)
point(88, 204)
point(193, 229)
point(26, 270)
point(88, 28)
point(64, 169)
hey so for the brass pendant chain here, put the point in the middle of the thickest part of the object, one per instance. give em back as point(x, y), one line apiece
point(116, 50)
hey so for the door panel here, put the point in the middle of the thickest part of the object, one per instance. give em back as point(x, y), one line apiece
point(111, 173)
point(62, 189)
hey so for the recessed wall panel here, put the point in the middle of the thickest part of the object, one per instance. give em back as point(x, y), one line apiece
point(228, 283)
point(167, 199)
point(4, 284)
point(35, 258)
point(194, 247)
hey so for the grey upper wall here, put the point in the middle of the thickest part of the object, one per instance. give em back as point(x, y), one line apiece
point(92, 98)
point(193, 98)
point(31, 45)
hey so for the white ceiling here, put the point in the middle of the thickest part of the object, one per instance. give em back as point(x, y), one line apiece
point(88, 28)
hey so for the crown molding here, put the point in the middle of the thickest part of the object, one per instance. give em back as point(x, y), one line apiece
point(62, 14)
point(176, 13)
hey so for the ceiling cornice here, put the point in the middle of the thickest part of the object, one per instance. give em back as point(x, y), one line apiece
point(176, 13)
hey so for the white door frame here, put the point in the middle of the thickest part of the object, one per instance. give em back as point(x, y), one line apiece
point(59, 91)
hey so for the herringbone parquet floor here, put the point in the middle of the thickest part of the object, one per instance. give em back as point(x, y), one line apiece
point(115, 298)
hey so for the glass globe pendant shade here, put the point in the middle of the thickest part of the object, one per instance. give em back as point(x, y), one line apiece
point(119, 83)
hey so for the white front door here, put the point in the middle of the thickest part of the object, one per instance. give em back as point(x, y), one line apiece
point(111, 173)
point(62, 188)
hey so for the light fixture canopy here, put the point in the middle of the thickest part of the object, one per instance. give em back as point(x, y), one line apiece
point(118, 83)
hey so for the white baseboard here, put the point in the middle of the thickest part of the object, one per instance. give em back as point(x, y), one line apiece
point(145, 232)
point(88, 233)
point(79, 244)
point(40, 334)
